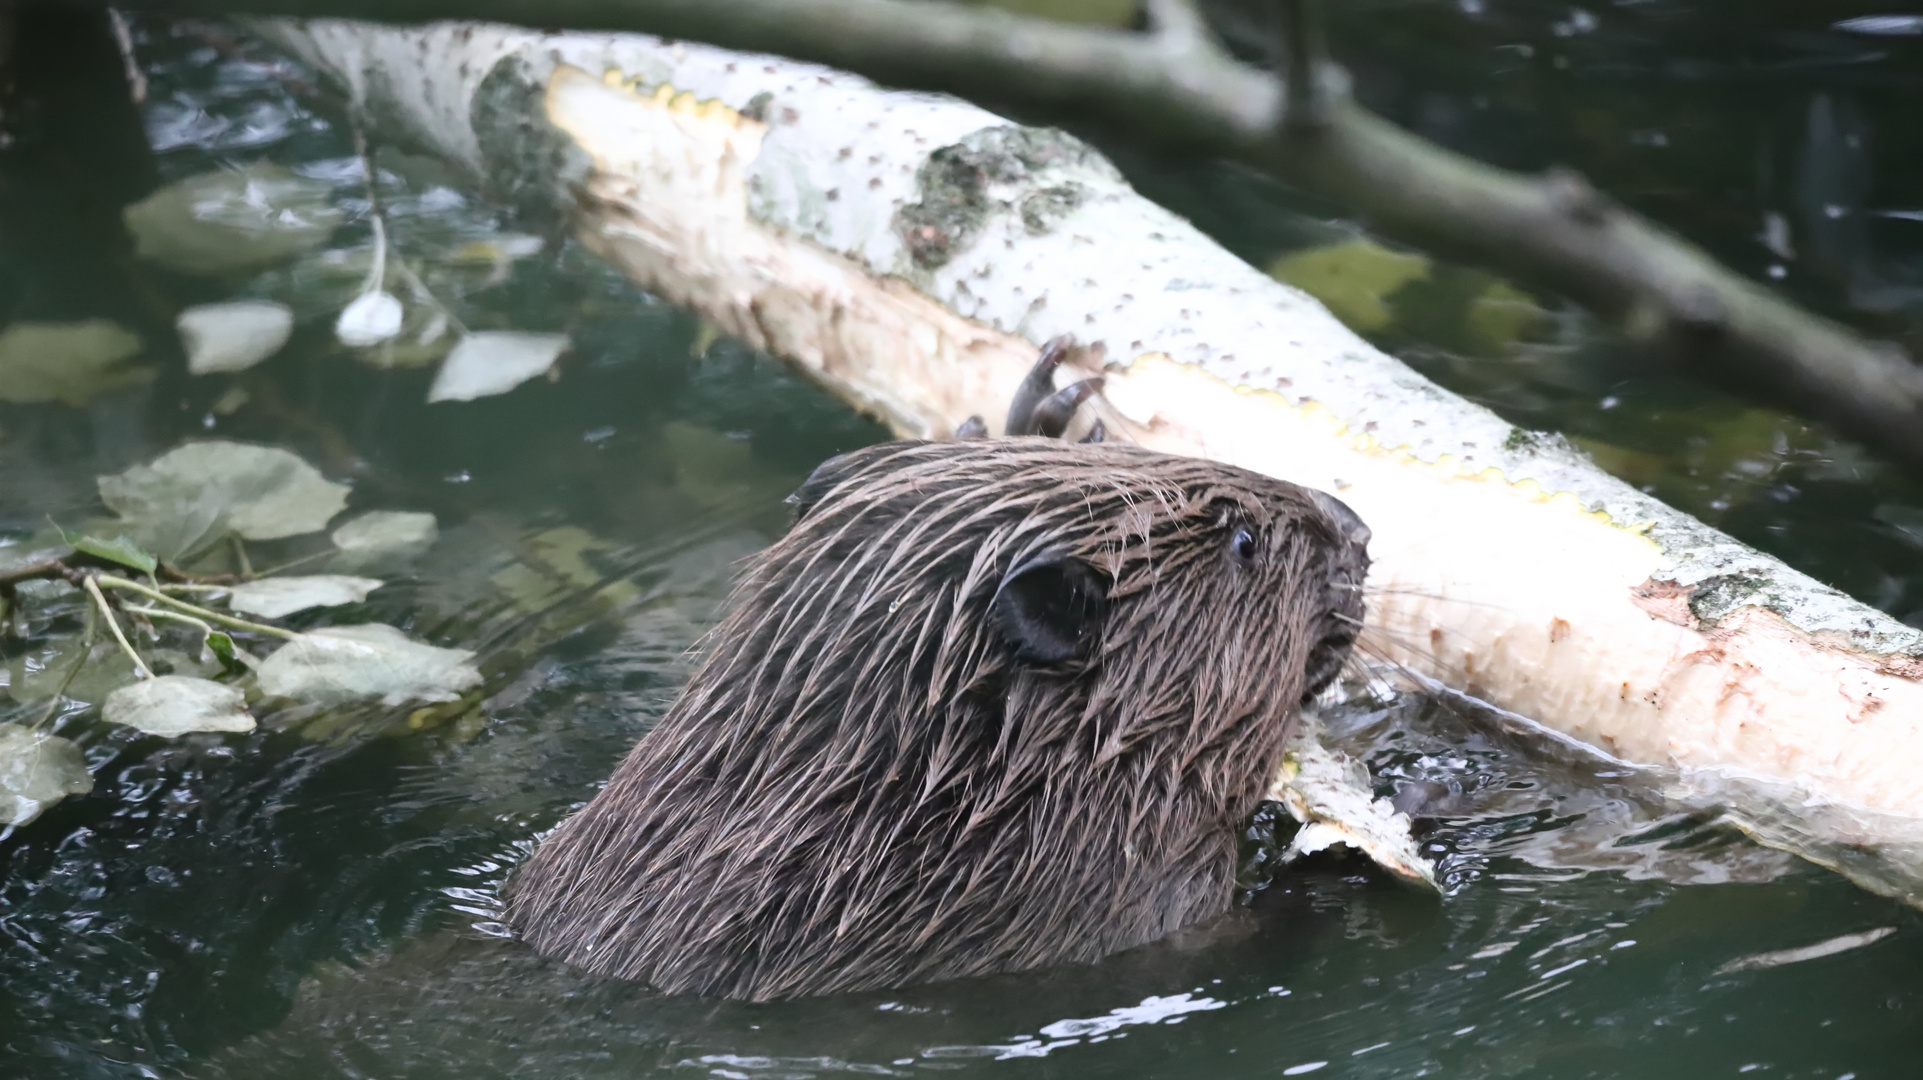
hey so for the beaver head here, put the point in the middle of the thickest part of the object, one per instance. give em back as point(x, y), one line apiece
point(990, 705)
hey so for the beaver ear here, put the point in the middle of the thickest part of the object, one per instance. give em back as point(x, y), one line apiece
point(833, 471)
point(1051, 607)
point(819, 484)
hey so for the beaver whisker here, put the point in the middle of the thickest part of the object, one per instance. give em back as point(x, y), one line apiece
point(1375, 647)
point(1422, 594)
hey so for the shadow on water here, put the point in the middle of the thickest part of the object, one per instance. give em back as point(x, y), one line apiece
point(313, 900)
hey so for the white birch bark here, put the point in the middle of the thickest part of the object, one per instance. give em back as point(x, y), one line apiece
point(909, 251)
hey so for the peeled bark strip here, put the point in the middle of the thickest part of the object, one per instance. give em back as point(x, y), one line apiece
point(908, 251)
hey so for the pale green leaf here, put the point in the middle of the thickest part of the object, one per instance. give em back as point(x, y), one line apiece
point(36, 771)
point(493, 362)
point(277, 596)
point(347, 663)
point(177, 705)
point(193, 495)
point(233, 336)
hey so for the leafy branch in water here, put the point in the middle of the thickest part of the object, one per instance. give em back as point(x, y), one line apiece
point(178, 515)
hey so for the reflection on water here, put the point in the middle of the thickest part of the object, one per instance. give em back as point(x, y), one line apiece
point(318, 899)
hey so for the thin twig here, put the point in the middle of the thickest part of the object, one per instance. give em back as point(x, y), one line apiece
point(124, 39)
point(176, 616)
point(193, 609)
point(302, 561)
point(44, 570)
point(80, 659)
point(242, 563)
point(423, 293)
point(113, 624)
point(377, 214)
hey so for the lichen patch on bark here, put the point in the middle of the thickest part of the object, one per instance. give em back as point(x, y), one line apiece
point(1014, 170)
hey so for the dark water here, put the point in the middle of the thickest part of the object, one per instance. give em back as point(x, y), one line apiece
point(315, 899)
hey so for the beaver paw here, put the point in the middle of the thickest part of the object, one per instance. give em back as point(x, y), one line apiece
point(1039, 408)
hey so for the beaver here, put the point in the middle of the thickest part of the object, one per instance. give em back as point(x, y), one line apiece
point(991, 704)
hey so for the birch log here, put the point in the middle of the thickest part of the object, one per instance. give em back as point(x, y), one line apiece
point(909, 251)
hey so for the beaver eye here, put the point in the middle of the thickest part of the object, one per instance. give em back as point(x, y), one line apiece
point(1242, 546)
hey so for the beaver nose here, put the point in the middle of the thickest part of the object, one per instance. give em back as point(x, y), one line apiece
point(1348, 525)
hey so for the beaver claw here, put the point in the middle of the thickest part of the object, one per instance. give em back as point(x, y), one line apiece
point(1052, 415)
point(1039, 408)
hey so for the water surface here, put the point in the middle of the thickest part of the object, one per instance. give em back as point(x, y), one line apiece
point(317, 899)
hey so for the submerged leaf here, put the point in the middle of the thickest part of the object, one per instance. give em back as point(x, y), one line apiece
point(372, 318)
point(1353, 279)
point(345, 663)
point(383, 541)
point(37, 675)
point(233, 336)
point(36, 771)
point(67, 362)
point(556, 565)
point(1500, 315)
point(177, 705)
point(277, 596)
point(232, 219)
point(494, 362)
point(193, 495)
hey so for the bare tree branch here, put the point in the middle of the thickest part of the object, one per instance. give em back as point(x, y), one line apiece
point(1553, 230)
point(1180, 27)
point(1306, 53)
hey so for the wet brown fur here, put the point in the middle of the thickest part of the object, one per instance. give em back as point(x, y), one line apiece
point(866, 785)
